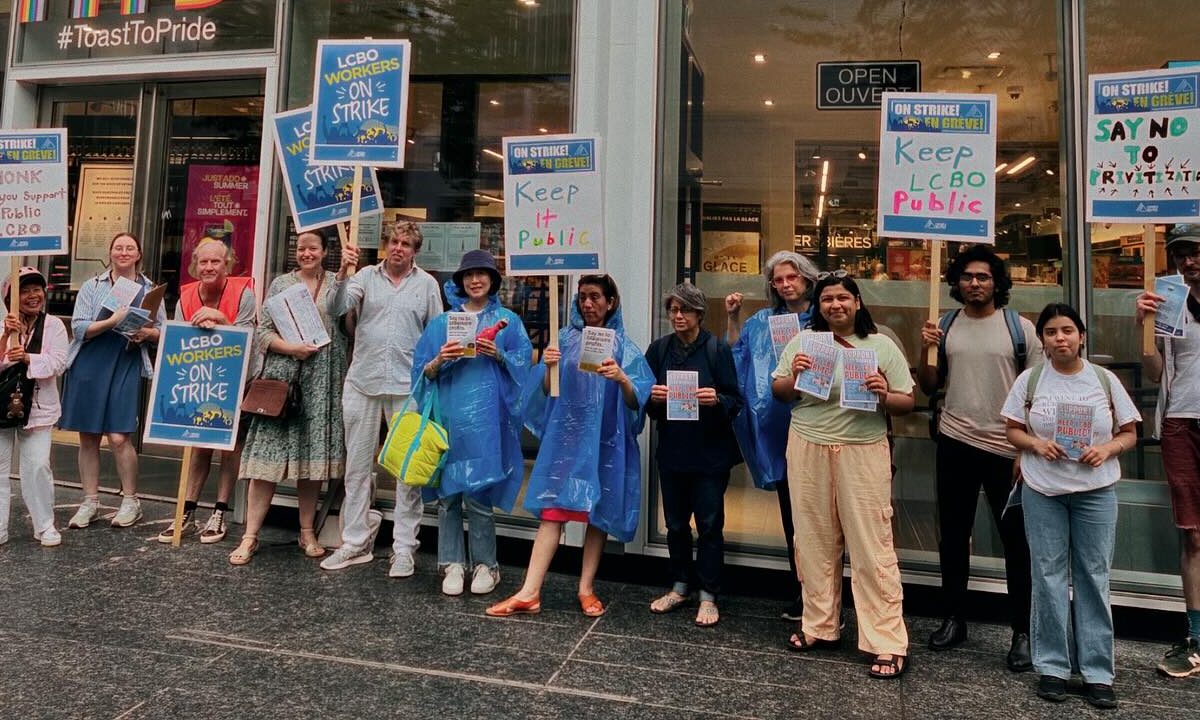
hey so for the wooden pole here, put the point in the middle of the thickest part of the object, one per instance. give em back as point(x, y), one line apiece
point(181, 496)
point(14, 294)
point(355, 200)
point(554, 332)
point(1149, 260)
point(935, 291)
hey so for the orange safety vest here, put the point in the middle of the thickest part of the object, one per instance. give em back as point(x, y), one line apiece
point(231, 297)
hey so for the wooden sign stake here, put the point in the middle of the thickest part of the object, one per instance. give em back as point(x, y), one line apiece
point(935, 291)
point(1149, 260)
point(355, 200)
point(14, 296)
point(553, 332)
point(181, 496)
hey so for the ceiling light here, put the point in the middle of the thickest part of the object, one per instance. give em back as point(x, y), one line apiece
point(1049, 171)
point(543, 130)
point(824, 175)
point(862, 154)
point(490, 198)
point(1026, 162)
point(816, 153)
point(1017, 204)
point(966, 74)
point(411, 141)
point(760, 58)
point(493, 101)
point(1001, 166)
point(993, 55)
point(528, 3)
point(493, 153)
point(821, 207)
point(769, 102)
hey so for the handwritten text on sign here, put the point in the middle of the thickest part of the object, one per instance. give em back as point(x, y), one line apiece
point(937, 156)
point(553, 205)
point(1143, 139)
point(33, 192)
point(360, 102)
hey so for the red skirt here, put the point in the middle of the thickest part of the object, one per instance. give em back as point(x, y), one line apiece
point(560, 515)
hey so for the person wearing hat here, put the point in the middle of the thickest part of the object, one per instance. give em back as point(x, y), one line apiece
point(694, 456)
point(478, 391)
point(1175, 365)
point(39, 342)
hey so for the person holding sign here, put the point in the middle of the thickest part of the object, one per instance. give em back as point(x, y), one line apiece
point(307, 448)
point(839, 468)
point(1070, 505)
point(214, 299)
point(696, 447)
point(30, 414)
point(102, 385)
point(981, 348)
point(479, 396)
point(394, 301)
point(1175, 364)
point(588, 467)
point(761, 427)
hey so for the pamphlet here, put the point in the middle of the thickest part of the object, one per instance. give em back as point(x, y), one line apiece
point(783, 328)
point(1169, 319)
point(818, 379)
point(1014, 498)
point(1073, 427)
point(124, 292)
point(595, 347)
point(857, 364)
point(461, 327)
point(296, 316)
point(682, 387)
point(135, 319)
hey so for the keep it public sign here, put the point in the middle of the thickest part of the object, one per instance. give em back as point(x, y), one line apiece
point(33, 192)
point(553, 205)
point(1144, 147)
point(937, 159)
point(360, 102)
point(197, 391)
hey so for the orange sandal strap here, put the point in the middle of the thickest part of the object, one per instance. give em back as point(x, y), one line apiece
point(591, 605)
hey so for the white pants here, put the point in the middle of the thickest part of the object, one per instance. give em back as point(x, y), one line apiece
point(361, 415)
point(37, 482)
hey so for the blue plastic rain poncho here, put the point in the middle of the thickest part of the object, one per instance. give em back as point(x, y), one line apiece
point(761, 427)
point(589, 458)
point(480, 404)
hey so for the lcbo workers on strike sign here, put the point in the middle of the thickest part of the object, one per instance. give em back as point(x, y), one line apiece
point(1143, 139)
point(360, 102)
point(553, 205)
point(33, 192)
point(937, 160)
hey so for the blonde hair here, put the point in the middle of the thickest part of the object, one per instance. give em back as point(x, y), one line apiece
point(230, 258)
point(410, 229)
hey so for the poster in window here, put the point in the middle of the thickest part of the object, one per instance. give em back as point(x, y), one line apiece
point(221, 203)
point(101, 211)
point(731, 239)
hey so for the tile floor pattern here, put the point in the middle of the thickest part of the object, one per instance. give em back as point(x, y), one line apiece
point(113, 625)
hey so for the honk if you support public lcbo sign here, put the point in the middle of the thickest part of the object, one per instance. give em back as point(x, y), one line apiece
point(33, 192)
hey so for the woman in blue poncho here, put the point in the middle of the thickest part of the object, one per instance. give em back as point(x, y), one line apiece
point(479, 399)
point(588, 466)
point(762, 426)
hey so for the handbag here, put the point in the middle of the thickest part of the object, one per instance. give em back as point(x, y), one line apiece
point(414, 451)
point(16, 387)
point(279, 399)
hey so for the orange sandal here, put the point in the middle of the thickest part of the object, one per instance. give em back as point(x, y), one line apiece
point(514, 606)
point(591, 605)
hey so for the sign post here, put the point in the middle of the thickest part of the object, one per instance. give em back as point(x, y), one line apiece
point(553, 211)
point(1144, 128)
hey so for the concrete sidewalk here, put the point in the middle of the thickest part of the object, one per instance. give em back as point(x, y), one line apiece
point(113, 625)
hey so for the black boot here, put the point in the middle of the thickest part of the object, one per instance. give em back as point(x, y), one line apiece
point(1020, 658)
point(952, 633)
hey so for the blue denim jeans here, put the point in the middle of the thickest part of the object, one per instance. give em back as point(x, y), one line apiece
point(481, 526)
point(1071, 538)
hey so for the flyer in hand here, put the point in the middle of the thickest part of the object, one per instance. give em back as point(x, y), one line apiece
point(461, 328)
point(682, 388)
point(857, 364)
point(1169, 320)
point(595, 347)
point(1073, 427)
point(818, 379)
point(783, 328)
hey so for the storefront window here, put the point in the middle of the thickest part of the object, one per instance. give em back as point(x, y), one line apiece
point(775, 153)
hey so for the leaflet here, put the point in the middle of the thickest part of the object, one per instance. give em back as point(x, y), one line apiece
point(857, 364)
point(818, 379)
point(1169, 319)
point(682, 388)
point(124, 292)
point(296, 316)
point(1073, 427)
point(135, 319)
point(783, 328)
point(596, 346)
point(461, 327)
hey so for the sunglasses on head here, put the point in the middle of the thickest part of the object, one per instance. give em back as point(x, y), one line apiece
point(839, 274)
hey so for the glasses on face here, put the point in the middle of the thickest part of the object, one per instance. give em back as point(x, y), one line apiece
point(982, 278)
point(839, 274)
point(1186, 253)
point(785, 279)
point(674, 310)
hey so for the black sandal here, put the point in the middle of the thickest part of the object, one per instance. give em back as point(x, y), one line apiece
point(797, 643)
point(894, 662)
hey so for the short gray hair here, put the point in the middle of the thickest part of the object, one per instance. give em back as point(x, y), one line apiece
point(688, 296)
point(804, 266)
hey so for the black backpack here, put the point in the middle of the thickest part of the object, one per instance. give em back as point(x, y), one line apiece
point(16, 387)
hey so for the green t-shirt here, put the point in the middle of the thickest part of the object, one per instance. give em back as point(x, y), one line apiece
point(825, 422)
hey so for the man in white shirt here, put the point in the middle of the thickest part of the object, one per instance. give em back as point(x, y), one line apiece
point(393, 301)
point(980, 355)
point(1175, 365)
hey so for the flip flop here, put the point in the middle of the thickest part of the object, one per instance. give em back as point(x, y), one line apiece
point(708, 615)
point(667, 603)
point(898, 664)
point(591, 605)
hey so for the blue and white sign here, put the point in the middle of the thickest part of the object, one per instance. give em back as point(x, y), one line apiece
point(197, 390)
point(360, 102)
point(937, 167)
point(33, 192)
point(553, 205)
point(318, 195)
point(1143, 147)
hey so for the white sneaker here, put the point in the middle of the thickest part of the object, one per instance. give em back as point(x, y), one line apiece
point(87, 512)
point(484, 579)
point(403, 566)
point(452, 584)
point(214, 529)
point(3, 537)
point(345, 556)
point(129, 513)
point(50, 537)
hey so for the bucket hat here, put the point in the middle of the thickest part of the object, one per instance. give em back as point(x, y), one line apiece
point(478, 260)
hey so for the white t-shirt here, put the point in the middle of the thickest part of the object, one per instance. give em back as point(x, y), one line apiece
point(1060, 477)
point(1184, 398)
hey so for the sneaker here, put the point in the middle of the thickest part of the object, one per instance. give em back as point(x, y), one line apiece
point(1052, 688)
point(3, 537)
point(87, 512)
point(345, 556)
point(214, 529)
point(484, 579)
point(189, 528)
point(50, 537)
point(403, 566)
point(129, 512)
point(452, 584)
point(1182, 660)
point(1100, 695)
point(793, 612)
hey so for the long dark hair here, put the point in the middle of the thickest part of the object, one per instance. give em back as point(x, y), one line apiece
point(1001, 281)
point(863, 324)
point(608, 286)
